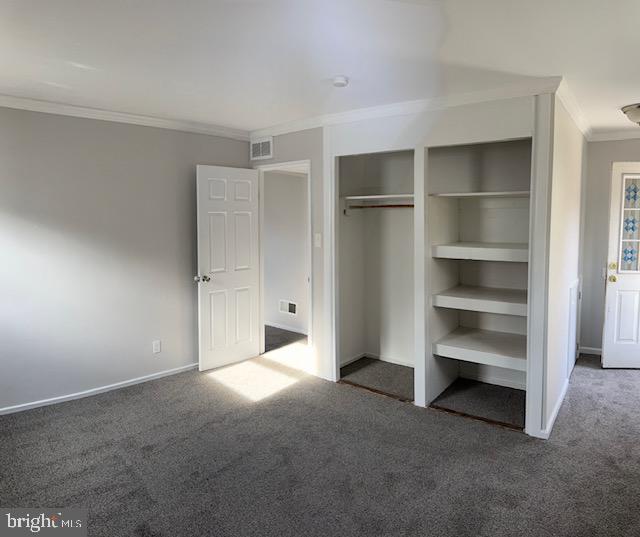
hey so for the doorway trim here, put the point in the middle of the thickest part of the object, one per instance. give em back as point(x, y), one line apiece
point(298, 166)
point(619, 170)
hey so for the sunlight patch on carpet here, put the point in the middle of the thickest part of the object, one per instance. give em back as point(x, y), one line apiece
point(253, 380)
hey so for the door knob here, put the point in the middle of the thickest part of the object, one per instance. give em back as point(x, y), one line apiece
point(613, 279)
point(206, 278)
point(199, 279)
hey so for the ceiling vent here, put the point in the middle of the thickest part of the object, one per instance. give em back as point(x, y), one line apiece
point(261, 148)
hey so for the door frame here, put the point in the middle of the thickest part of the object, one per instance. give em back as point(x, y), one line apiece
point(618, 170)
point(299, 166)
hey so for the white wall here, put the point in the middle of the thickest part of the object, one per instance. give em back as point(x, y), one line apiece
point(376, 285)
point(97, 234)
point(286, 249)
point(564, 250)
point(388, 283)
point(600, 159)
point(376, 262)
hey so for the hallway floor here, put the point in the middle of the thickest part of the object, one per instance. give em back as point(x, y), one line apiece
point(275, 338)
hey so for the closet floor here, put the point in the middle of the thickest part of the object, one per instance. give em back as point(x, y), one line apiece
point(504, 406)
point(390, 379)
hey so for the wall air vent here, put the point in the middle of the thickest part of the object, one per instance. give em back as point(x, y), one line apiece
point(288, 307)
point(261, 148)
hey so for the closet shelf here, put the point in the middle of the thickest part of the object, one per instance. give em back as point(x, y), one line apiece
point(483, 251)
point(379, 201)
point(486, 347)
point(485, 299)
point(502, 194)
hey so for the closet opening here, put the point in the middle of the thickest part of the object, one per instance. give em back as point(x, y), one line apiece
point(478, 208)
point(375, 284)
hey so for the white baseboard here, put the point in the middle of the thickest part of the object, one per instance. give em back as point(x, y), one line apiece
point(490, 379)
point(95, 391)
point(375, 357)
point(352, 359)
point(391, 360)
point(591, 350)
point(546, 433)
point(286, 327)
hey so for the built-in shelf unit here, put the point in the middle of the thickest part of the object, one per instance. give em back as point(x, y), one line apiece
point(478, 229)
point(493, 212)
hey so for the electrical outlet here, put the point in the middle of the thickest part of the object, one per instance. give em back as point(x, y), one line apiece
point(156, 346)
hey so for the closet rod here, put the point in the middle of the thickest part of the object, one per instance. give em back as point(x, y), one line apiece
point(405, 206)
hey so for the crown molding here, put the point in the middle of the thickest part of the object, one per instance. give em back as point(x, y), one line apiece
point(49, 107)
point(572, 107)
point(611, 136)
point(540, 86)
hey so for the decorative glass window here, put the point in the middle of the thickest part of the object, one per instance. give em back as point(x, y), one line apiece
point(630, 225)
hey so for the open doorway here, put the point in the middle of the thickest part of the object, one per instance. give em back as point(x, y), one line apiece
point(621, 338)
point(285, 244)
point(375, 242)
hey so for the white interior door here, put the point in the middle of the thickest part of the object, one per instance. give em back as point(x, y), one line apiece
point(228, 265)
point(621, 339)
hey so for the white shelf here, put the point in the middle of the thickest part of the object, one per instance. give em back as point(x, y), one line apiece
point(498, 349)
point(483, 251)
point(502, 194)
point(379, 197)
point(485, 299)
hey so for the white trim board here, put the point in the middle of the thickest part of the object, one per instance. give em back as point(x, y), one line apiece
point(353, 359)
point(546, 433)
point(573, 108)
point(570, 103)
point(284, 327)
point(375, 356)
point(590, 350)
point(388, 359)
point(632, 133)
point(540, 86)
point(62, 109)
point(96, 391)
point(492, 379)
point(546, 85)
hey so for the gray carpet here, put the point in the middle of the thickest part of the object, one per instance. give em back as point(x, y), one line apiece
point(275, 338)
point(186, 456)
point(488, 401)
point(393, 379)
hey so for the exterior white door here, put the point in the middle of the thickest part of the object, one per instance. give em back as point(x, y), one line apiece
point(228, 265)
point(621, 339)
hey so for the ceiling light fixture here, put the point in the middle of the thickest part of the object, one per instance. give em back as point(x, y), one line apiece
point(340, 81)
point(632, 111)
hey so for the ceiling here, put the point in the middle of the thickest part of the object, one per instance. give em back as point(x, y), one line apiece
point(253, 64)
